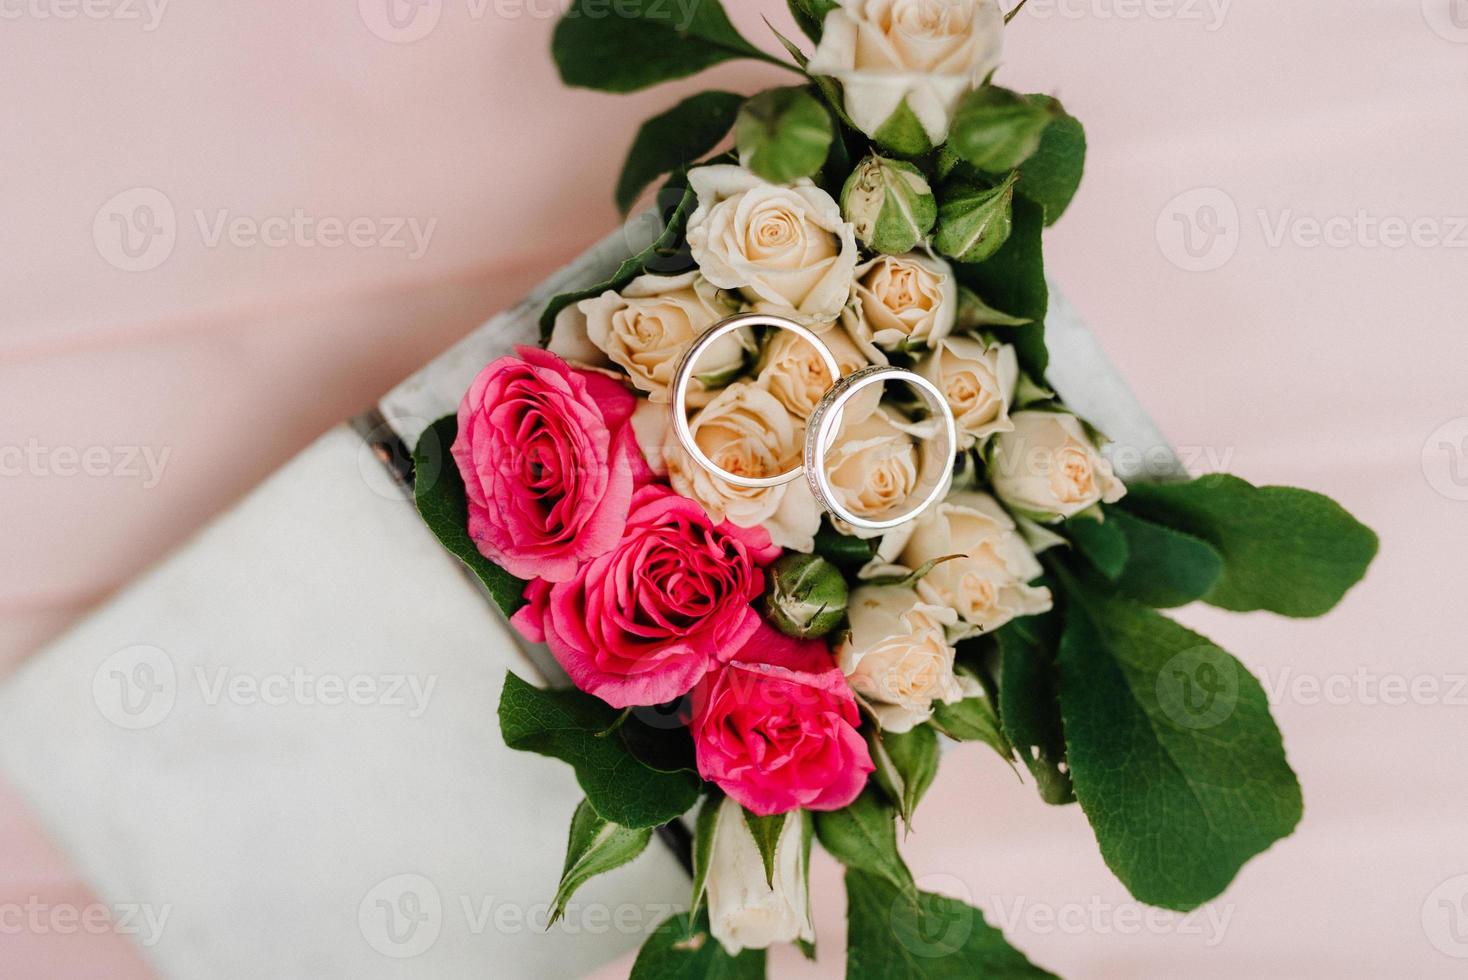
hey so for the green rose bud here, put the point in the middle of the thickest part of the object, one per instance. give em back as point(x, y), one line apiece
point(996, 130)
point(783, 134)
point(974, 221)
point(807, 596)
point(890, 205)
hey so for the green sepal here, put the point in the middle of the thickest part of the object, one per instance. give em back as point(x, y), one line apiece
point(595, 847)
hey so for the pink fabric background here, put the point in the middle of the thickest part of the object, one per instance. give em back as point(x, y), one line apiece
point(1326, 367)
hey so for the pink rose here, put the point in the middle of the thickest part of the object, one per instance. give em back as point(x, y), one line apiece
point(776, 727)
point(549, 462)
point(642, 624)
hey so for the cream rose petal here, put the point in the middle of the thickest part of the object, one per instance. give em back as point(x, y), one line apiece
point(784, 246)
point(1048, 469)
point(744, 429)
point(897, 655)
point(927, 52)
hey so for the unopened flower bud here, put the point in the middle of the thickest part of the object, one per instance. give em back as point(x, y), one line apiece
point(974, 221)
point(807, 596)
point(890, 205)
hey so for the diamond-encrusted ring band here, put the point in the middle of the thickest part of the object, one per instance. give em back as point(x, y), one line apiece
point(684, 377)
point(825, 422)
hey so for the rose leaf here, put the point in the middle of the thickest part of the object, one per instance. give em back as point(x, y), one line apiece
point(682, 948)
point(1289, 551)
point(595, 846)
point(438, 492)
point(674, 139)
point(1176, 761)
point(566, 725)
point(644, 42)
point(934, 938)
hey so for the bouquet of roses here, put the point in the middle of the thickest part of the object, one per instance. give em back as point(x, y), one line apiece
point(786, 655)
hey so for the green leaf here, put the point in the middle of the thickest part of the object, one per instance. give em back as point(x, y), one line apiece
point(907, 763)
point(783, 134)
point(863, 837)
point(974, 220)
point(1014, 281)
point(766, 833)
point(682, 948)
point(996, 130)
point(902, 134)
point(1176, 760)
point(937, 938)
point(846, 551)
point(1165, 568)
point(1052, 175)
point(643, 42)
point(1029, 705)
point(566, 725)
point(438, 492)
point(810, 15)
point(1289, 551)
point(595, 847)
point(705, 829)
point(1103, 543)
point(674, 139)
point(973, 720)
point(677, 201)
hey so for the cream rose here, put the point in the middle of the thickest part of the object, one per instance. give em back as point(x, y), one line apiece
point(901, 301)
point(929, 53)
point(897, 655)
point(744, 911)
point(786, 247)
point(1048, 469)
point(792, 370)
point(645, 327)
point(745, 430)
point(978, 381)
point(988, 584)
point(874, 464)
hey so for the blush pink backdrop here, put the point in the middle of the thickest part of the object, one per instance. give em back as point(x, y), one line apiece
point(1325, 366)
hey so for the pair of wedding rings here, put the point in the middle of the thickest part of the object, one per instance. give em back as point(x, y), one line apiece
point(824, 423)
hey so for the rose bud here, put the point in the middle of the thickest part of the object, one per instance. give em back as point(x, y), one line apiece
point(890, 205)
point(807, 596)
point(745, 912)
point(974, 221)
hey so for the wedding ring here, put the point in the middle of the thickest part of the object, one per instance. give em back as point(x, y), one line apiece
point(825, 423)
point(684, 377)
